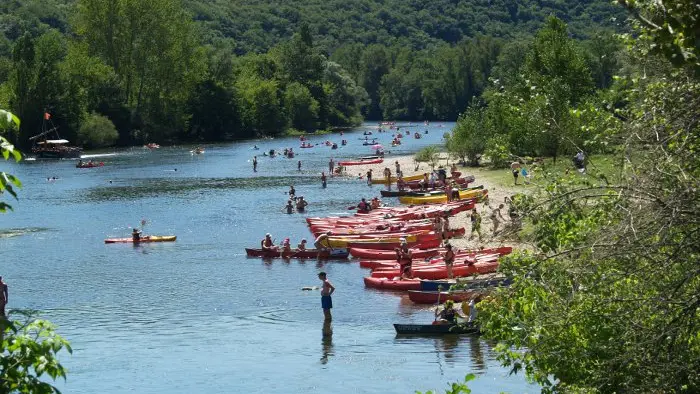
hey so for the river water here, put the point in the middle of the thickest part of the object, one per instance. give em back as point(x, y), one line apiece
point(197, 315)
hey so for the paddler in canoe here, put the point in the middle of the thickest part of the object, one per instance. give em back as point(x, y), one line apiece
point(449, 314)
point(267, 245)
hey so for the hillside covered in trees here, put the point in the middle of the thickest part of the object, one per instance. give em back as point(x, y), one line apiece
point(127, 71)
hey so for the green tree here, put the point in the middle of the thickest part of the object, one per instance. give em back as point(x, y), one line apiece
point(374, 64)
point(97, 131)
point(300, 106)
point(259, 103)
point(8, 122)
point(469, 137)
point(214, 113)
point(429, 154)
point(607, 301)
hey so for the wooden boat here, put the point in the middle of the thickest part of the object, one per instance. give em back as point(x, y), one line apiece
point(305, 254)
point(56, 148)
point(435, 329)
point(145, 239)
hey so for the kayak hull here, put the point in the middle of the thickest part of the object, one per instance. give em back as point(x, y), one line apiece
point(434, 329)
point(390, 284)
point(306, 254)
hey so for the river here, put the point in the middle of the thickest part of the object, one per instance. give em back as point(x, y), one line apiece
point(197, 315)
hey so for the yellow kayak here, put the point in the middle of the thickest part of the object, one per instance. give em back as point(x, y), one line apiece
point(382, 180)
point(463, 194)
point(342, 242)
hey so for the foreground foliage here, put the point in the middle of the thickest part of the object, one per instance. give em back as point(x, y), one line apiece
point(609, 298)
point(28, 350)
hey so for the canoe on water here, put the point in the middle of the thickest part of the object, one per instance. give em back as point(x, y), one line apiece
point(306, 254)
point(434, 329)
point(146, 239)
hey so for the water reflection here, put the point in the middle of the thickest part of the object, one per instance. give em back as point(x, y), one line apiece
point(447, 346)
point(326, 341)
point(476, 354)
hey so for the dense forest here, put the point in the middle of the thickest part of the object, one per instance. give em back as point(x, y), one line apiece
point(127, 72)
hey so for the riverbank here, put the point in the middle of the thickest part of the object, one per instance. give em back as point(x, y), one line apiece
point(498, 182)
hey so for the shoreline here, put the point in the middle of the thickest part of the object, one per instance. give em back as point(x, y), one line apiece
point(493, 180)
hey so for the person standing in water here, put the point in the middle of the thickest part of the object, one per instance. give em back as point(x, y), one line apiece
point(323, 180)
point(299, 165)
point(326, 291)
point(255, 163)
point(331, 166)
point(4, 296)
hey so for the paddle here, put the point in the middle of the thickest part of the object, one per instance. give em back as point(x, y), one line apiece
point(438, 303)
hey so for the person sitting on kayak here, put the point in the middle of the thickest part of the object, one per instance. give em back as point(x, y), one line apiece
point(289, 207)
point(267, 245)
point(301, 204)
point(302, 245)
point(363, 206)
point(80, 163)
point(136, 235)
point(375, 203)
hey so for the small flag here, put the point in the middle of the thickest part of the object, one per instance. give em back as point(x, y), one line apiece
point(47, 116)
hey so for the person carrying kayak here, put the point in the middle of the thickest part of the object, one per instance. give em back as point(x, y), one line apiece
point(267, 245)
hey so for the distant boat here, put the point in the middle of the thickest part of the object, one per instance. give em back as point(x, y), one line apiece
point(56, 148)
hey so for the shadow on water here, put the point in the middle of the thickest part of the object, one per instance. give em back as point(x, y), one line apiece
point(157, 187)
point(326, 341)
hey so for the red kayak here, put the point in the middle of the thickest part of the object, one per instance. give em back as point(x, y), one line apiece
point(360, 162)
point(436, 269)
point(299, 254)
point(390, 284)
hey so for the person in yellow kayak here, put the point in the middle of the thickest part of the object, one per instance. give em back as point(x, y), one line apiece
point(136, 235)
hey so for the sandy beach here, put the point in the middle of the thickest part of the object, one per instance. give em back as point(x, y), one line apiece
point(497, 193)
